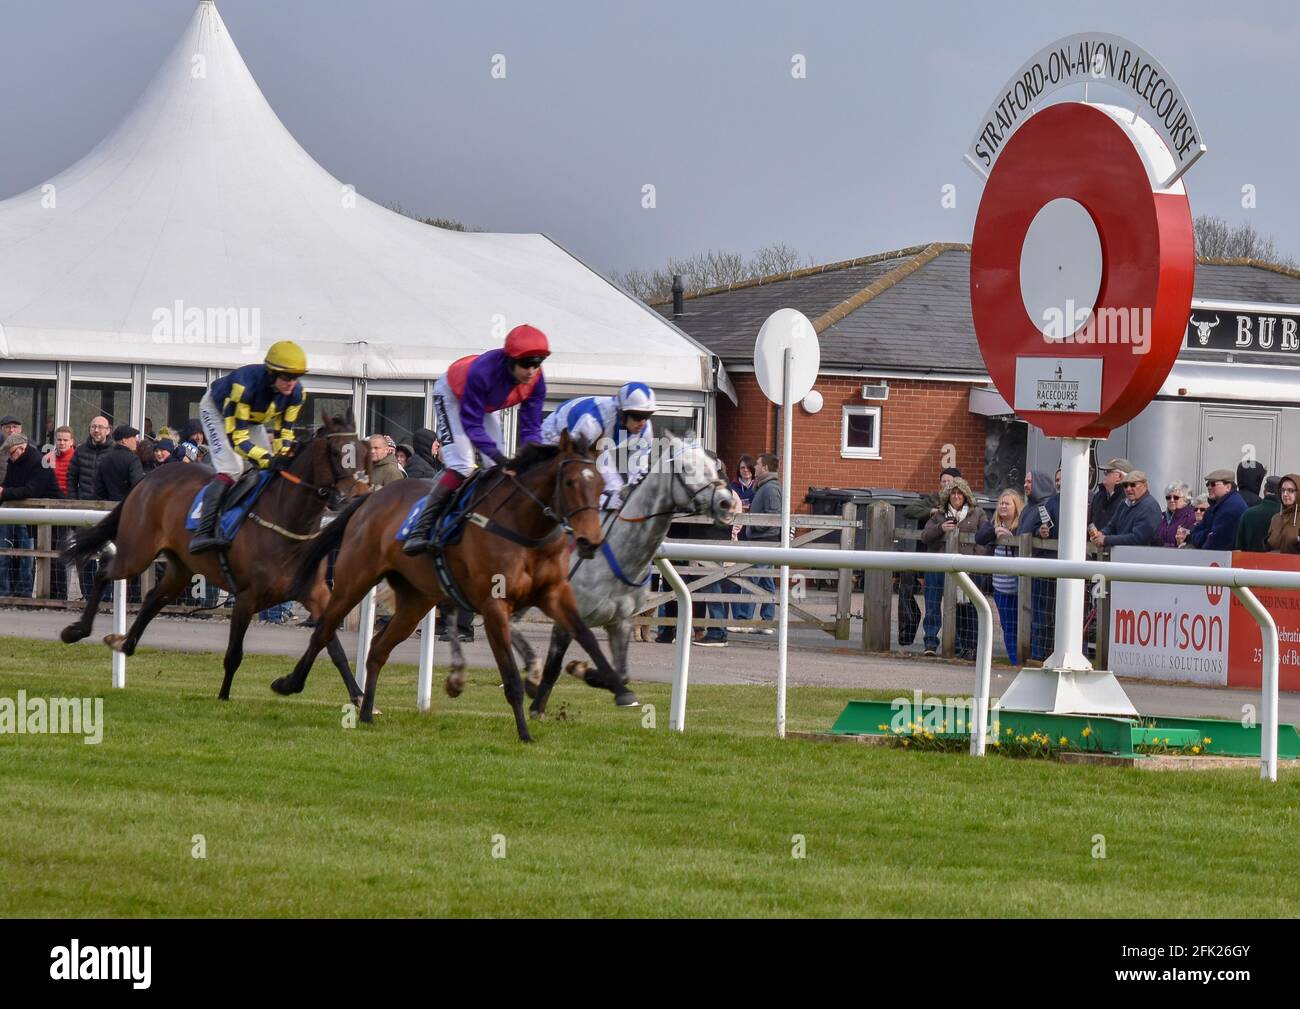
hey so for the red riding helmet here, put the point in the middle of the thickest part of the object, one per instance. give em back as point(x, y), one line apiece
point(527, 341)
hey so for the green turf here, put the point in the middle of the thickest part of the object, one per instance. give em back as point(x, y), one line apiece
point(600, 817)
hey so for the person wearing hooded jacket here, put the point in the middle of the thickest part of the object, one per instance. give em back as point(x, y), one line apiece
point(1250, 480)
point(1252, 530)
point(1041, 500)
point(1284, 529)
point(961, 513)
point(424, 463)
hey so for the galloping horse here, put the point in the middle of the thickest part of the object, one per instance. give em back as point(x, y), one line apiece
point(264, 559)
point(512, 554)
point(612, 588)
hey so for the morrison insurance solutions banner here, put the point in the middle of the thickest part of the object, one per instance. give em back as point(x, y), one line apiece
point(1198, 633)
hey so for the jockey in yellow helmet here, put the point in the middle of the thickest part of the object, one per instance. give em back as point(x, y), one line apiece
point(248, 419)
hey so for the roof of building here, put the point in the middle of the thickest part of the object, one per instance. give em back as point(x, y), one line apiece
point(884, 311)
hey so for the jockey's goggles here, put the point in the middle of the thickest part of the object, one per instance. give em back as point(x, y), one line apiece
point(636, 415)
point(277, 375)
point(529, 362)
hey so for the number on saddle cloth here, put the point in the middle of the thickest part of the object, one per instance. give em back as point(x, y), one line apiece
point(240, 502)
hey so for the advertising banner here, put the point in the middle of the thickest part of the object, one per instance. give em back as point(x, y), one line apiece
point(1245, 644)
point(1172, 632)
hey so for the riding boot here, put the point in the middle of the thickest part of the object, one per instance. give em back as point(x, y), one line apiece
point(208, 535)
point(418, 540)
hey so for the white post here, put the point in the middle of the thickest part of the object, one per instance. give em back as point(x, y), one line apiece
point(119, 627)
point(424, 683)
point(685, 626)
point(783, 632)
point(364, 634)
point(1071, 546)
point(983, 663)
point(1268, 682)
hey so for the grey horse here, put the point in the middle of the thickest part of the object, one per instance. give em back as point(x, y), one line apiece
point(613, 586)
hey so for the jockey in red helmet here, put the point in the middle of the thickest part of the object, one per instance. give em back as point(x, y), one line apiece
point(465, 404)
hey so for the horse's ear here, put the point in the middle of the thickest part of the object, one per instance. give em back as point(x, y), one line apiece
point(566, 442)
point(326, 421)
point(350, 420)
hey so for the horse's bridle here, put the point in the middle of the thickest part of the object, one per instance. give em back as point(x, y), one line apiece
point(691, 494)
point(332, 496)
point(553, 510)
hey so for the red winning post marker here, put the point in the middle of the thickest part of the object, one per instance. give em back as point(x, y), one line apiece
point(1081, 269)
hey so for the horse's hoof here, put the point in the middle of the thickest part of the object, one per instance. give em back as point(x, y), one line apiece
point(530, 688)
point(626, 699)
point(454, 685)
point(283, 686)
point(578, 668)
point(72, 634)
point(525, 738)
point(538, 715)
point(115, 642)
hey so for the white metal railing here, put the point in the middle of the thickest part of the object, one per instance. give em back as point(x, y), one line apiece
point(961, 566)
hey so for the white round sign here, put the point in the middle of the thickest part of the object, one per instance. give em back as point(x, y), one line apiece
point(1060, 268)
point(813, 402)
point(787, 327)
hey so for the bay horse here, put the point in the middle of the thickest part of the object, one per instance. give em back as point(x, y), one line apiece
point(612, 588)
point(264, 558)
point(512, 554)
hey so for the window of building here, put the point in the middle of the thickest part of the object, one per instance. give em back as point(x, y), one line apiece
point(860, 432)
point(319, 404)
point(31, 400)
point(399, 417)
point(170, 406)
point(91, 399)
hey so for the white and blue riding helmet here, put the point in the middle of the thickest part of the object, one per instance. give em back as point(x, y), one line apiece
point(637, 397)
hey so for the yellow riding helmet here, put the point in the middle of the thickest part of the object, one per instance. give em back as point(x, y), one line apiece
point(286, 356)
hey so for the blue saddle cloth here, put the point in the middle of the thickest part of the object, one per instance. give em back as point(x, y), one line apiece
point(452, 521)
point(233, 517)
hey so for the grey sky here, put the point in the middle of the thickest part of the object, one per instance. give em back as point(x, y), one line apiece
point(396, 97)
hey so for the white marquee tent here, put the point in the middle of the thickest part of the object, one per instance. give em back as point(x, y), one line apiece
point(201, 196)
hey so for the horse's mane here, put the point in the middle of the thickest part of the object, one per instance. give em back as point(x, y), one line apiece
point(531, 455)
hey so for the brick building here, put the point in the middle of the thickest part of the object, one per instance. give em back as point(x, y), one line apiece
point(898, 322)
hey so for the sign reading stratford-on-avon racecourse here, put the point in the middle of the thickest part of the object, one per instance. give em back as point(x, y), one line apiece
point(1092, 57)
point(1083, 256)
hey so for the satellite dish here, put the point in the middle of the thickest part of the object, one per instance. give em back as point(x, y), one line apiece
point(787, 327)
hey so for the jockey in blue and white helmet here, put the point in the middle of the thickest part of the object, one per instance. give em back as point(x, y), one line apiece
point(620, 429)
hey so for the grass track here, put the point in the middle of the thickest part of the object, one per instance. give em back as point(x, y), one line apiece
point(600, 817)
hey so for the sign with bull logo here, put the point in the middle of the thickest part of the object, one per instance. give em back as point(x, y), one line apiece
point(1244, 329)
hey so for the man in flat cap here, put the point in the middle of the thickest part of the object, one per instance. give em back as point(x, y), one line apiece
point(1136, 520)
point(1108, 498)
point(25, 477)
point(120, 469)
point(1218, 529)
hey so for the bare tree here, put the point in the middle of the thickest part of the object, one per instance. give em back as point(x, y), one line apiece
point(446, 223)
point(704, 270)
point(1216, 238)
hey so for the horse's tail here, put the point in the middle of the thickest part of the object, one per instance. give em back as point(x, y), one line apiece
point(329, 537)
point(91, 540)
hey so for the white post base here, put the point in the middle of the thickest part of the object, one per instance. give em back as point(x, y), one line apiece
point(1067, 692)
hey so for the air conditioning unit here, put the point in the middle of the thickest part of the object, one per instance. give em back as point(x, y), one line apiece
point(880, 391)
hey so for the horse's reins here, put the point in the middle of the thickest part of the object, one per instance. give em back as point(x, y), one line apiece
point(321, 491)
point(552, 511)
